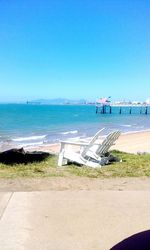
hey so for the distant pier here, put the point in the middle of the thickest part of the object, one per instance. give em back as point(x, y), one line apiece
point(123, 109)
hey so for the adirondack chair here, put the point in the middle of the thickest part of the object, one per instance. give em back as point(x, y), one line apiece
point(97, 151)
point(91, 154)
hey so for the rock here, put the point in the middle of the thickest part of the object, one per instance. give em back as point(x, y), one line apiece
point(13, 156)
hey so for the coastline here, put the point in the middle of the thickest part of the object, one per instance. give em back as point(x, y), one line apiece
point(130, 142)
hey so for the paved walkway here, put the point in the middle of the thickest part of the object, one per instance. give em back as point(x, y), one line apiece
point(71, 220)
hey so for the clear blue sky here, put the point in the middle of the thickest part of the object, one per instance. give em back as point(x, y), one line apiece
point(74, 49)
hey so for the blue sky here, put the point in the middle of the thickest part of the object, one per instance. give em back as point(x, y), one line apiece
point(74, 49)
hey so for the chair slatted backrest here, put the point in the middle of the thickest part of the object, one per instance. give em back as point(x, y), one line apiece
point(92, 141)
point(108, 142)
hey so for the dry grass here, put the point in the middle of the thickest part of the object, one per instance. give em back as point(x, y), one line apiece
point(131, 166)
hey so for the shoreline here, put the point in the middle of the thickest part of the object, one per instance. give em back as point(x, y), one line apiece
point(130, 142)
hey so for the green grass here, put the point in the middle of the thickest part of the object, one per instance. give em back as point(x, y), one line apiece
point(131, 166)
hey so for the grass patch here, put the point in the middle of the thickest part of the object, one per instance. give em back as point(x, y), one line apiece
point(131, 166)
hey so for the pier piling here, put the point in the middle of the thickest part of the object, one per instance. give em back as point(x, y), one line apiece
point(146, 111)
point(96, 109)
point(109, 109)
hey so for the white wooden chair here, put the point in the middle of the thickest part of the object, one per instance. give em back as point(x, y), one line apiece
point(91, 153)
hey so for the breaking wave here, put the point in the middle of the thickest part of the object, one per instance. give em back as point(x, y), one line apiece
point(69, 132)
point(30, 138)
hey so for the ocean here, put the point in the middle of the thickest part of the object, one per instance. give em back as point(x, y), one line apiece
point(26, 125)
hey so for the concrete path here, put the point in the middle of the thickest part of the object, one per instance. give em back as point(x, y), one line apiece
point(71, 220)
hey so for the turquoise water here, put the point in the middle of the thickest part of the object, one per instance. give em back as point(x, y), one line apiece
point(38, 124)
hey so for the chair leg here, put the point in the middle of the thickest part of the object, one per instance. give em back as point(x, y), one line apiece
point(61, 155)
point(60, 159)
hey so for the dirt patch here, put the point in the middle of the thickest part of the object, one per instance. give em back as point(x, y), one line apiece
point(74, 183)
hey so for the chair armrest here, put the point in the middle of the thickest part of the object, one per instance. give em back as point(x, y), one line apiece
point(78, 143)
point(75, 143)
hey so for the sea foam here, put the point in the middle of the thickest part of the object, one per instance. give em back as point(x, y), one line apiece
point(30, 138)
point(69, 132)
point(126, 125)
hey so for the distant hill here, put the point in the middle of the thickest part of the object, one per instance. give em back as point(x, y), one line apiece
point(58, 101)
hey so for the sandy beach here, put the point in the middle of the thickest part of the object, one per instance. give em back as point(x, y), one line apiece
point(136, 142)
